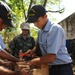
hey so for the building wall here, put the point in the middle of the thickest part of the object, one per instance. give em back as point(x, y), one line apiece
point(69, 26)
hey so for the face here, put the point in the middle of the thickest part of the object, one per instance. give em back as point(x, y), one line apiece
point(2, 24)
point(25, 32)
point(41, 22)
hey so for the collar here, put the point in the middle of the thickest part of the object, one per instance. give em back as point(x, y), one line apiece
point(28, 36)
point(48, 25)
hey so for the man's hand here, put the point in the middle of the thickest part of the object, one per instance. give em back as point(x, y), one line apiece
point(25, 71)
point(30, 52)
point(9, 64)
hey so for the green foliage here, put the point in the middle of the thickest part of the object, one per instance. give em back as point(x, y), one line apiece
point(20, 10)
point(53, 1)
point(34, 32)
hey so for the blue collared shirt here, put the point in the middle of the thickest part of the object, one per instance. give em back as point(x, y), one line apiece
point(2, 46)
point(51, 40)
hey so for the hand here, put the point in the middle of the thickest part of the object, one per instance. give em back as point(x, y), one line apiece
point(30, 52)
point(21, 63)
point(9, 64)
point(25, 71)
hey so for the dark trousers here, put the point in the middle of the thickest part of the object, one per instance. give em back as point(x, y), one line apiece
point(65, 69)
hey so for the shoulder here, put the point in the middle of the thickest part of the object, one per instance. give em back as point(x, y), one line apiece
point(56, 27)
point(17, 37)
point(31, 37)
point(0, 36)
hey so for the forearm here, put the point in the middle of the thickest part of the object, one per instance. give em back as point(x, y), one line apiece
point(1, 62)
point(48, 58)
point(4, 71)
point(8, 56)
point(37, 61)
point(34, 49)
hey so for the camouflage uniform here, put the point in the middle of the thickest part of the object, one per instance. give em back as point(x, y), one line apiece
point(18, 43)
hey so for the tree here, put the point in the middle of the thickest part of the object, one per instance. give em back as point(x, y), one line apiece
point(20, 9)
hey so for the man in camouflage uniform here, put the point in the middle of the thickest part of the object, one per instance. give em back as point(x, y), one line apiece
point(22, 42)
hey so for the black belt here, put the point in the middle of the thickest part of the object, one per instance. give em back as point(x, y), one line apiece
point(60, 66)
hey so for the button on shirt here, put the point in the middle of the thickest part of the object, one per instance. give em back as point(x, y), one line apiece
point(51, 40)
point(2, 46)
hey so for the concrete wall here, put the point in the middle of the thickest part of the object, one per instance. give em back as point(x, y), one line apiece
point(69, 26)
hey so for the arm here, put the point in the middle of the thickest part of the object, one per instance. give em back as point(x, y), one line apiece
point(8, 56)
point(4, 54)
point(35, 47)
point(48, 58)
point(31, 52)
point(2, 62)
point(4, 71)
point(12, 47)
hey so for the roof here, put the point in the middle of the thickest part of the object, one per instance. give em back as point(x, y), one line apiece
point(65, 17)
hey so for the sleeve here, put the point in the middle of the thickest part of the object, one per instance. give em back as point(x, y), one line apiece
point(2, 46)
point(55, 39)
point(33, 42)
point(12, 46)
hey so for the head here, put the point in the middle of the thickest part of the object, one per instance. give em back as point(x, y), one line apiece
point(5, 16)
point(38, 16)
point(25, 28)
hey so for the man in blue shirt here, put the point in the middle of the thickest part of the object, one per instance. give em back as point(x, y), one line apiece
point(51, 40)
point(6, 19)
